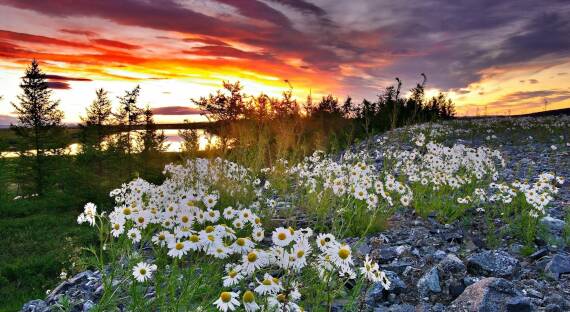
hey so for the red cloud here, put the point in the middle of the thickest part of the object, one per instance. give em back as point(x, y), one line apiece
point(115, 44)
point(78, 32)
point(16, 36)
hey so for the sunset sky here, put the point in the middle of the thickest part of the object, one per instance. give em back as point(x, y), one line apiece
point(509, 56)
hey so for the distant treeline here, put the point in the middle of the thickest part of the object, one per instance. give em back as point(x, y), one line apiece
point(254, 130)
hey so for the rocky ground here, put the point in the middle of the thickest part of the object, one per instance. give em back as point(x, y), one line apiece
point(442, 267)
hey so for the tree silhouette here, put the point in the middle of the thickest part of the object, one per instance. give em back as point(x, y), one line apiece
point(129, 115)
point(39, 118)
point(228, 106)
point(99, 112)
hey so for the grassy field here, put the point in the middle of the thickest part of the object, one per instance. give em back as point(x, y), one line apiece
point(37, 237)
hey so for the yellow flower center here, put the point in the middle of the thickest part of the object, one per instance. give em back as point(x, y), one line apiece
point(179, 246)
point(240, 241)
point(184, 219)
point(161, 237)
point(251, 257)
point(248, 296)
point(142, 271)
point(344, 253)
point(117, 226)
point(281, 297)
point(266, 282)
point(232, 273)
point(226, 296)
point(209, 229)
point(281, 236)
point(194, 238)
point(300, 253)
point(141, 220)
point(127, 211)
point(212, 214)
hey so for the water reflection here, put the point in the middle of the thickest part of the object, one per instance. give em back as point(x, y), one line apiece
point(174, 143)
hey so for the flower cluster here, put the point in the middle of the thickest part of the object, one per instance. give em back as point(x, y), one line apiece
point(185, 218)
point(350, 177)
point(438, 165)
point(290, 254)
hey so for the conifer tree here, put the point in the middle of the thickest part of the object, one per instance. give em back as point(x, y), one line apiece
point(39, 119)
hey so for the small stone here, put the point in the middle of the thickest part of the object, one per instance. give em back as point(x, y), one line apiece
point(516, 248)
point(452, 264)
point(87, 306)
point(429, 283)
point(387, 254)
point(456, 288)
point(559, 264)
point(539, 254)
point(377, 293)
point(552, 308)
point(453, 237)
point(519, 304)
point(470, 280)
point(534, 294)
point(552, 224)
point(439, 255)
point(492, 263)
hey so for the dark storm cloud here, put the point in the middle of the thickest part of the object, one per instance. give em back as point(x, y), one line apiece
point(533, 97)
point(453, 42)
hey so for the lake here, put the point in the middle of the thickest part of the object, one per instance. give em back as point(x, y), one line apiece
point(174, 143)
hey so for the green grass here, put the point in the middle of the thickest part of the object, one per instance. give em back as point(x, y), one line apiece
point(34, 247)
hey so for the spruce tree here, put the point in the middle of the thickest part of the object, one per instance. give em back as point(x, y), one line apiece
point(39, 119)
point(99, 112)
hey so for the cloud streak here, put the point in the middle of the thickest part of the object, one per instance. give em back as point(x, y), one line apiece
point(176, 110)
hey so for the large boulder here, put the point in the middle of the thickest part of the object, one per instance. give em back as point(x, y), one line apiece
point(494, 263)
point(490, 295)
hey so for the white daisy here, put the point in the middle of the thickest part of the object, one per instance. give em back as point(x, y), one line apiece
point(227, 301)
point(143, 271)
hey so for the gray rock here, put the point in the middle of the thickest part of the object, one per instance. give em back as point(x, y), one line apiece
point(395, 308)
point(520, 304)
point(376, 293)
point(492, 263)
point(452, 264)
point(35, 306)
point(539, 254)
point(553, 308)
point(439, 255)
point(88, 306)
point(456, 288)
point(429, 283)
point(559, 264)
point(552, 224)
point(488, 295)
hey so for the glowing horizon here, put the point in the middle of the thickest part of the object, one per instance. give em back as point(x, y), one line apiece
point(509, 63)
